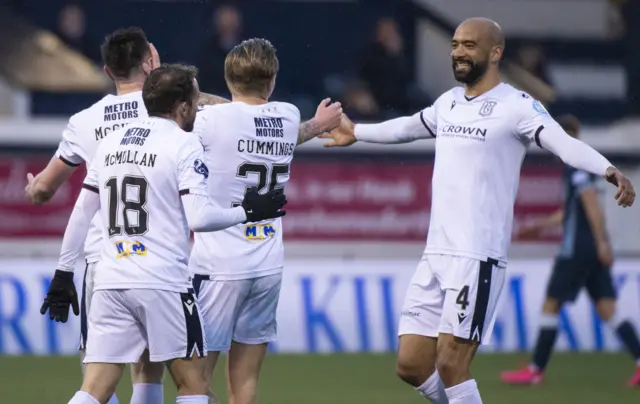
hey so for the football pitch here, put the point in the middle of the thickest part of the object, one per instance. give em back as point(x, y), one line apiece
point(349, 379)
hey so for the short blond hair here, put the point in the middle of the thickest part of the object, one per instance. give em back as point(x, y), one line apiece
point(251, 66)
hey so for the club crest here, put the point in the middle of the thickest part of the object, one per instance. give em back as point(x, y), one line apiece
point(487, 108)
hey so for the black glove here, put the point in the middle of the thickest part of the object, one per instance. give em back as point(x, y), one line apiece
point(62, 294)
point(262, 207)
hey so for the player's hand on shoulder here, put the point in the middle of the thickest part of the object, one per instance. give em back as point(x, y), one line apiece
point(343, 135)
point(62, 294)
point(328, 115)
point(260, 207)
point(625, 195)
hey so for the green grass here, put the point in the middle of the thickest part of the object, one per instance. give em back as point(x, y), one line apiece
point(338, 379)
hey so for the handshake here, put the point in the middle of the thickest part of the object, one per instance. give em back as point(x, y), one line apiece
point(263, 207)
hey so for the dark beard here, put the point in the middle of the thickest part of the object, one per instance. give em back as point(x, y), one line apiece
point(477, 71)
point(188, 126)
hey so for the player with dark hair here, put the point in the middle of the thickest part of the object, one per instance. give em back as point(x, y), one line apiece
point(238, 271)
point(128, 59)
point(481, 131)
point(584, 261)
point(148, 182)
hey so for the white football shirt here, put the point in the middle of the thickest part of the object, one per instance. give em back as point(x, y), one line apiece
point(140, 172)
point(245, 146)
point(83, 134)
point(480, 145)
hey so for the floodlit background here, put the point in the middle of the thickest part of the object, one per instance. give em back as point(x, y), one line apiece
point(358, 217)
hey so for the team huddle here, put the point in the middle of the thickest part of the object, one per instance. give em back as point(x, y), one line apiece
point(172, 160)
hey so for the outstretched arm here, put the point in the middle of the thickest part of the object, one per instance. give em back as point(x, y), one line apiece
point(536, 125)
point(43, 186)
point(582, 156)
point(534, 228)
point(327, 118)
point(400, 130)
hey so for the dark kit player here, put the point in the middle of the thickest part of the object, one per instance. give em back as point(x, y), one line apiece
point(584, 260)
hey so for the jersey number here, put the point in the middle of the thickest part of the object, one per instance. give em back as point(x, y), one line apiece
point(463, 297)
point(130, 206)
point(267, 179)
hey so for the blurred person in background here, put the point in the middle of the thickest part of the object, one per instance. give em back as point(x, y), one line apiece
point(531, 58)
point(584, 261)
point(631, 14)
point(359, 103)
point(71, 29)
point(227, 33)
point(383, 66)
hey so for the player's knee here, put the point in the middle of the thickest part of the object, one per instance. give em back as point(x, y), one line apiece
point(413, 372)
point(606, 309)
point(551, 306)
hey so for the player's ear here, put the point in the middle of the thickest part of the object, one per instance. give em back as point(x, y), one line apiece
point(108, 73)
point(147, 67)
point(496, 54)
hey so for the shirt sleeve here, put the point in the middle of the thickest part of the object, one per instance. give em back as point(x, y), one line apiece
point(533, 120)
point(421, 125)
point(536, 125)
point(91, 181)
point(192, 170)
point(75, 234)
point(70, 150)
point(202, 216)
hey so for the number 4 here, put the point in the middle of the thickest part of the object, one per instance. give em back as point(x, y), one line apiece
point(463, 297)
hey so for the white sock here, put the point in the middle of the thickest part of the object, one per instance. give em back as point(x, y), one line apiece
point(147, 393)
point(464, 393)
point(433, 389)
point(82, 397)
point(192, 400)
point(114, 399)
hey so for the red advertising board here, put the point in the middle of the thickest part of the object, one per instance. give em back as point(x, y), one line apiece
point(368, 201)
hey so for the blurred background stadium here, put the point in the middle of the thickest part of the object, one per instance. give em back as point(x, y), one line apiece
point(358, 217)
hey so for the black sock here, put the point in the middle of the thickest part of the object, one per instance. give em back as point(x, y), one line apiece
point(544, 347)
point(627, 334)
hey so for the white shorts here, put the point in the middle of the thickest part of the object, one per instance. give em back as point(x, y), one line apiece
point(453, 295)
point(125, 322)
point(238, 310)
point(85, 302)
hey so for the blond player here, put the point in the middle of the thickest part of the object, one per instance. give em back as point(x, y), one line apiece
point(249, 142)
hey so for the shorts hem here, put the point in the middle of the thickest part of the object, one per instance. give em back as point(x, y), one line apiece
point(242, 277)
point(117, 360)
point(219, 348)
point(167, 357)
point(414, 331)
point(464, 254)
point(254, 341)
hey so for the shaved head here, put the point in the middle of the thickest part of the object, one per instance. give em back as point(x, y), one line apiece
point(477, 48)
point(488, 30)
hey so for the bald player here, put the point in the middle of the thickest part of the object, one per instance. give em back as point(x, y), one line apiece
point(482, 130)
